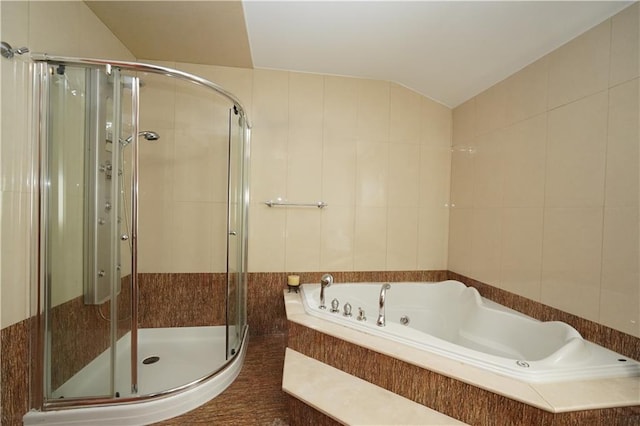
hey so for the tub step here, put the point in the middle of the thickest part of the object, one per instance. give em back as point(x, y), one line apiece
point(350, 400)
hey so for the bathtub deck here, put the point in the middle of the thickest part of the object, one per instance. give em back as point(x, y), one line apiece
point(351, 400)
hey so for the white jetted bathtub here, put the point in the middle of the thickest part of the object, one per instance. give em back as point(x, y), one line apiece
point(453, 320)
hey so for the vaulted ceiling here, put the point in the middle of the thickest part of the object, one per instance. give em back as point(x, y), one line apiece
point(446, 50)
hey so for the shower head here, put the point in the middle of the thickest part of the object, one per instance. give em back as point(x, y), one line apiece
point(149, 135)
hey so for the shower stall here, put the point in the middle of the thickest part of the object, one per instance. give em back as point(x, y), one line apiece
point(142, 241)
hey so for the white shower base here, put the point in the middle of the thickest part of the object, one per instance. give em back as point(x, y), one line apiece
point(186, 355)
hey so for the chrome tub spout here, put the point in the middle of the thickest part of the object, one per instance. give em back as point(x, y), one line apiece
point(325, 281)
point(383, 294)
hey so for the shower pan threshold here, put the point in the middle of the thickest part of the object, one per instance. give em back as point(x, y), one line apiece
point(185, 356)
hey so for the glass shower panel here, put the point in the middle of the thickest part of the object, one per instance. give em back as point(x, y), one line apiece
point(236, 311)
point(83, 230)
point(71, 326)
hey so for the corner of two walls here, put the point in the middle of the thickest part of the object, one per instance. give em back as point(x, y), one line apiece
point(377, 153)
point(544, 183)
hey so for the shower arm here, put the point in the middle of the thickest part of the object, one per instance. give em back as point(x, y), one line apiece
point(142, 67)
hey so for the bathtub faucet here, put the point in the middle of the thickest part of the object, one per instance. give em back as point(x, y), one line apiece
point(325, 281)
point(383, 294)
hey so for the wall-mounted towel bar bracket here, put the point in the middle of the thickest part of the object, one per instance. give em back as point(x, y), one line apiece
point(278, 203)
point(9, 52)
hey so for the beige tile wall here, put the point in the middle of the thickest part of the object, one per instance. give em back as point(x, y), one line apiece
point(183, 175)
point(36, 25)
point(377, 153)
point(545, 177)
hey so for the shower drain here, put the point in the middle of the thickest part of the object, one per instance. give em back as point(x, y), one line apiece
point(151, 360)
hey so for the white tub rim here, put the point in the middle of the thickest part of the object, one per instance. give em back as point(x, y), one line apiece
point(537, 371)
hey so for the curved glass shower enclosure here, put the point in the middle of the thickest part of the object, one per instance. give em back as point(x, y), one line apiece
point(143, 231)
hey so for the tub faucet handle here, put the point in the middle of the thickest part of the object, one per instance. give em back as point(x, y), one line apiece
point(347, 309)
point(361, 316)
point(334, 306)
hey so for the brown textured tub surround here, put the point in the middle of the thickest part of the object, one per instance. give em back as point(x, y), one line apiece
point(452, 397)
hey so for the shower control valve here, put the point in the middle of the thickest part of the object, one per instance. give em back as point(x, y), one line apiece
point(334, 306)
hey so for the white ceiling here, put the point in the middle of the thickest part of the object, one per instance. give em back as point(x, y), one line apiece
point(446, 50)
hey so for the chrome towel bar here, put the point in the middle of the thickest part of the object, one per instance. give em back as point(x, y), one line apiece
point(280, 203)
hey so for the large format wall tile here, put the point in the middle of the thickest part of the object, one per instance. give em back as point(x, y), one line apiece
point(571, 261)
point(404, 116)
point(521, 249)
point(622, 187)
point(577, 142)
point(619, 307)
point(527, 91)
point(581, 67)
point(524, 152)
point(562, 172)
point(625, 46)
